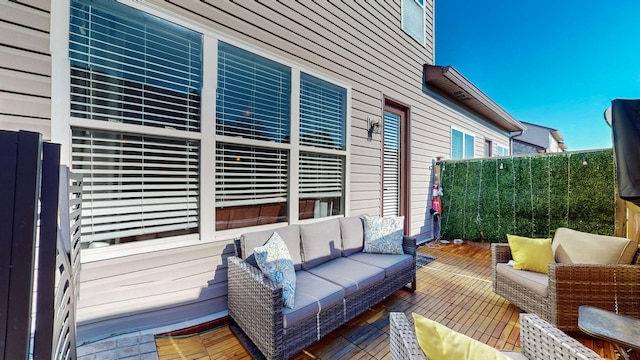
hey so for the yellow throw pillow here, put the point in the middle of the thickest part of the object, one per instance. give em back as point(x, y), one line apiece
point(531, 254)
point(441, 343)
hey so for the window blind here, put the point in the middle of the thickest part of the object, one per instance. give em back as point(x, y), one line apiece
point(469, 146)
point(250, 175)
point(456, 144)
point(131, 67)
point(254, 96)
point(321, 176)
point(391, 165)
point(135, 185)
point(322, 113)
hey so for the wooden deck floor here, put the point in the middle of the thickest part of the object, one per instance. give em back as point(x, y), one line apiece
point(455, 290)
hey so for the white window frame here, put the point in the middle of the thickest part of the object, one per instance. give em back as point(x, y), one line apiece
point(504, 152)
point(464, 145)
point(422, 41)
point(62, 123)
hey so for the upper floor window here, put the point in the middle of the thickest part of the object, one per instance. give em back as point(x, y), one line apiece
point(413, 19)
point(503, 151)
point(462, 145)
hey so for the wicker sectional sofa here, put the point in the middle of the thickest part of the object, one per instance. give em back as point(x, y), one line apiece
point(335, 282)
point(539, 340)
point(570, 283)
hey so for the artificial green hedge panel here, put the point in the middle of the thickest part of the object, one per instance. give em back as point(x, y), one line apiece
point(529, 196)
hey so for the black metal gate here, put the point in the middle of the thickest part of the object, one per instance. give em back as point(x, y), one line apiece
point(40, 205)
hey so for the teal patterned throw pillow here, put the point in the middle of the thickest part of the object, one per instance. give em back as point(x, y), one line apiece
point(383, 235)
point(274, 260)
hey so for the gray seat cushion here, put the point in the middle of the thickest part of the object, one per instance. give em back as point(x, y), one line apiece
point(321, 242)
point(389, 262)
point(290, 234)
point(352, 275)
point(312, 295)
point(352, 230)
point(536, 282)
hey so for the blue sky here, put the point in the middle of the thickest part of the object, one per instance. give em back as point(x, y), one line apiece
point(554, 63)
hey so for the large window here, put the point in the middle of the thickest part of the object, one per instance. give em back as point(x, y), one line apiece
point(322, 129)
point(153, 169)
point(503, 151)
point(253, 103)
point(413, 17)
point(135, 71)
point(462, 145)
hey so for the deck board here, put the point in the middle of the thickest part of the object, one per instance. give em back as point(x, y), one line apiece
point(454, 290)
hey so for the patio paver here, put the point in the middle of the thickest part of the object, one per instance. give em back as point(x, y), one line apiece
point(137, 347)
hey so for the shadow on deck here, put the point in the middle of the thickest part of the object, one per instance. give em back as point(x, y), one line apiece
point(454, 290)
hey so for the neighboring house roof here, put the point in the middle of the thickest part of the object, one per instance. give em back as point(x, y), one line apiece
point(532, 145)
point(449, 80)
point(555, 133)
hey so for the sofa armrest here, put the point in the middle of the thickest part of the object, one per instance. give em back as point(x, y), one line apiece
point(572, 285)
point(540, 340)
point(255, 303)
point(403, 341)
point(409, 245)
point(500, 253)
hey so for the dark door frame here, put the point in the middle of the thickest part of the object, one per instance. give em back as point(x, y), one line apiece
point(404, 111)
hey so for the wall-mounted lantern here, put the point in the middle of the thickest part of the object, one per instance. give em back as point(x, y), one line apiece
point(374, 126)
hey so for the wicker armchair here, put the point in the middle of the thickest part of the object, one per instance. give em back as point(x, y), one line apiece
point(539, 340)
point(610, 287)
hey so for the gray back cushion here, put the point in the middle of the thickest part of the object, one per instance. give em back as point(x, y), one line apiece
point(352, 230)
point(290, 234)
point(321, 242)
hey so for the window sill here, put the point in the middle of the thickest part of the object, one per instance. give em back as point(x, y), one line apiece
point(139, 247)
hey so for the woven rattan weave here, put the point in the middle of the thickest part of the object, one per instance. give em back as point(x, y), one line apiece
point(609, 287)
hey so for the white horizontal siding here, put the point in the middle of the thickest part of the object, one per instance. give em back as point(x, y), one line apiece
point(25, 74)
point(358, 43)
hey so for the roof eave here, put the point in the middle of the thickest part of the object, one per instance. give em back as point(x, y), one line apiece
point(451, 82)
